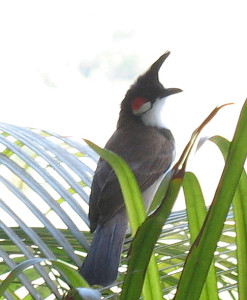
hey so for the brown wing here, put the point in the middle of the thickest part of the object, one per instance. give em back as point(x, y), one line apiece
point(148, 160)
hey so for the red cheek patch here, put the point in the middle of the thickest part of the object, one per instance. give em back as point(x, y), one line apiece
point(137, 103)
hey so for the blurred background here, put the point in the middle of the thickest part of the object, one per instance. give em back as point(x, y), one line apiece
point(65, 66)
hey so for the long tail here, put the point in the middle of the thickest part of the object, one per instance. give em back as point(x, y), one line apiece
point(101, 265)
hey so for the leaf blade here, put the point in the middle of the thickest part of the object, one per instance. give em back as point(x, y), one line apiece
point(240, 213)
point(197, 212)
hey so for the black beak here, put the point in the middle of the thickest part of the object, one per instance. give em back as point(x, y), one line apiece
point(172, 91)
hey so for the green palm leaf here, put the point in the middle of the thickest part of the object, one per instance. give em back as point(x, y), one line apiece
point(44, 187)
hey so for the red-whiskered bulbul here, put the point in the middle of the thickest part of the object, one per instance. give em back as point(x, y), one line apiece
point(148, 147)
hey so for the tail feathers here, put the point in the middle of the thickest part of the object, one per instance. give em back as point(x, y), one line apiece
point(101, 265)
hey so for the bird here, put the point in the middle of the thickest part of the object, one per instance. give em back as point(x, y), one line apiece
point(142, 139)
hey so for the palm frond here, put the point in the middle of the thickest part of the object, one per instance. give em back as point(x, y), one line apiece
point(44, 190)
point(44, 181)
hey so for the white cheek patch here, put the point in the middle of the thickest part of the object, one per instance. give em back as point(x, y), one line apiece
point(143, 108)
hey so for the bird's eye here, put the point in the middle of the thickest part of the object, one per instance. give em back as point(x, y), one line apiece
point(140, 105)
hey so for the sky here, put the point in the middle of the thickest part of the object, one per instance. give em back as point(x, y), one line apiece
point(65, 66)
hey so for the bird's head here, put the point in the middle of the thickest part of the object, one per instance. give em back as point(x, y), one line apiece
point(146, 96)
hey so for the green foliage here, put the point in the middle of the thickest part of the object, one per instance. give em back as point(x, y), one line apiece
point(201, 254)
point(193, 263)
point(197, 212)
point(240, 213)
point(73, 277)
